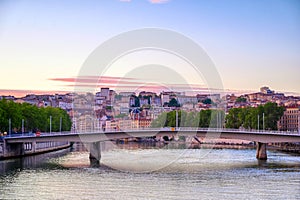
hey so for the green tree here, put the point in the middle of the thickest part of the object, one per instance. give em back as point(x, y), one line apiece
point(34, 117)
point(241, 99)
point(183, 116)
point(171, 119)
point(207, 101)
point(173, 103)
point(118, 97)
point(192, 119)
point(168, 119)
point(12, 111)
point(136, 101)
point(30, 115)
point(160, 121)
point(272, 113)
point(57, 114)
point(217, 119)
point(250, 117)
point(233, 118)
point(204, 118)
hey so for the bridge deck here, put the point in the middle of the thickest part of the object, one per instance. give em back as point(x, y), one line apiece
point(263, 137)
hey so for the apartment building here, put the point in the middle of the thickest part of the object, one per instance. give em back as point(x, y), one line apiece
point(290, 121)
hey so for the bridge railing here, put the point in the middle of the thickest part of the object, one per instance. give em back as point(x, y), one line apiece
point(184, 129)
point(187, 129)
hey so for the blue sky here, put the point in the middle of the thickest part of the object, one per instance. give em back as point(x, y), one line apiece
point(252, 43)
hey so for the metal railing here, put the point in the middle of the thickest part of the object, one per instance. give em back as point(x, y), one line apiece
point(163, 129)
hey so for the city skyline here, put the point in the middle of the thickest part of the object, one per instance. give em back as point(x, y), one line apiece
point(183, 89)
point(252, 44)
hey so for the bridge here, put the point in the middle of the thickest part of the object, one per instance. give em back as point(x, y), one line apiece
point(262, 138)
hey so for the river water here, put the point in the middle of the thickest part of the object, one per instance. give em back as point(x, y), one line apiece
point(129, 172)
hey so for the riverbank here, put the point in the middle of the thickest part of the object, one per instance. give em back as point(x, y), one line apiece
point(286, 147)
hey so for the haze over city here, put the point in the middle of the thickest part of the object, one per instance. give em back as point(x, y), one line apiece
point(150, 99)
point(43, 45)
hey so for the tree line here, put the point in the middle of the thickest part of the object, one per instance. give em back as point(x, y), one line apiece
point(263, 117)
point(236, 118)
point(33, 118)
point(205, 118)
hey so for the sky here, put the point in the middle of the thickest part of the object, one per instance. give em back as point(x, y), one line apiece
point(252, 43)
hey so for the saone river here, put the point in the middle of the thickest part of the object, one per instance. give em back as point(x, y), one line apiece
point(128, 172)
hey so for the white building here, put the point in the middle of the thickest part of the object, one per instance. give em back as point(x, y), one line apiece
point(105, 92)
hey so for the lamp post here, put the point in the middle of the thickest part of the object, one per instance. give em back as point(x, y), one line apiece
point(74, 124)
point(60, 124)
point(50, 124)
point(299, 122)
point(85, 123)
point(258, 122)
point(9, 126)
point(22, 126)
point(263, 121)
point(217, 125)
point(176, 119)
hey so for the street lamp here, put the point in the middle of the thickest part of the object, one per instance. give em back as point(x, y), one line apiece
point(22, 126)
point(9, 126)
point(258, 122)
point(74, 124)
point(50, 123)
point(176, 119)
point(217, 125)
point(299, 122)
point(60, 124)
point(263, 121)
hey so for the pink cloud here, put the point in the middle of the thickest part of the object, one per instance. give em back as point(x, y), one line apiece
point(141, 87)
point(122, 83)
point(21, 93)
point(96, 80)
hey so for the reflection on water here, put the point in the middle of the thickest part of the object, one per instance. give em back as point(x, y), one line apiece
point(197, 174)
point(31, 162)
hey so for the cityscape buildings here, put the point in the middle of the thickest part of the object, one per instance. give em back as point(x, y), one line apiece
point(110, 110)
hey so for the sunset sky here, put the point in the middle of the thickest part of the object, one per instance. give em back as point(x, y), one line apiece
point(253, 43)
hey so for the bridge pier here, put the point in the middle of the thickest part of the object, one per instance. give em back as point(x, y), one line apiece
point(95, 154)
point(12, 150)
point(261, 151)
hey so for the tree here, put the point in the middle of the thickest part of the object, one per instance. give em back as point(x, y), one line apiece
point(171, 119)
point(57, 114)
point(173, 103)
point(160, 121)
point(118, 96)
point(136, 101)
point(207, 101)
point(192, 119)
point(34, 117)
point(31, 116)
point(272, 113)
point(204, 118)
point(11, 111)
point(241, 100)
point(168, 119)
point(217, 119)
point(233, 118)
point(183, 119)
point(2, 119)
point(250, 117)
